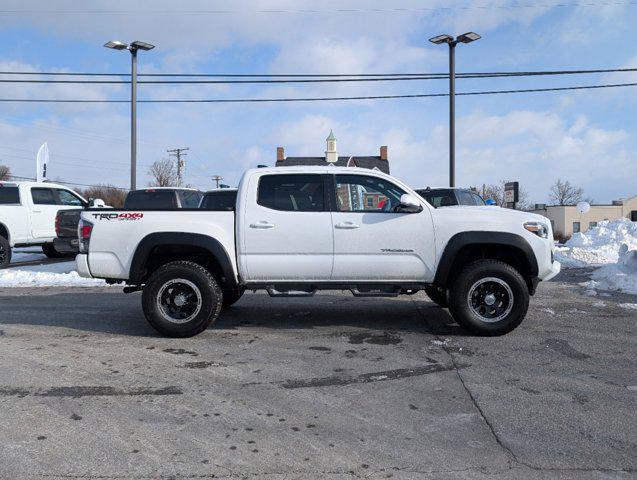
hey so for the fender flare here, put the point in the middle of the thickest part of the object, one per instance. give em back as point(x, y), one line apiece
point(212, 245)
point(463, 239)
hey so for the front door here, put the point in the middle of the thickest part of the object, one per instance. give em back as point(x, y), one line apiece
point(372, 241)
point(287, 229)
point(45, 208)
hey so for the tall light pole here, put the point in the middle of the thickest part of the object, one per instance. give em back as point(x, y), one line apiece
point(452, 42)
point(132, 48)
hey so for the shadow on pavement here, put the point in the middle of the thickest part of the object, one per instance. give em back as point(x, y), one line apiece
point(116, 313)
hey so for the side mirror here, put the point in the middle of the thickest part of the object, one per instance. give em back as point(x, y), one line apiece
point(409, 204)
point(96, 203)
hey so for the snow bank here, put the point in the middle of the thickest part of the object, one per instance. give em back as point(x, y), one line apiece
point(620, 276)
point(612, 246)
point(600, 245)
point(51, 275)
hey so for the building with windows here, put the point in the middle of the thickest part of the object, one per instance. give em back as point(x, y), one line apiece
point(331, 157)
point(566, 220)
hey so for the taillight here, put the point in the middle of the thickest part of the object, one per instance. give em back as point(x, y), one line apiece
point(57, 224)
point(84, 230)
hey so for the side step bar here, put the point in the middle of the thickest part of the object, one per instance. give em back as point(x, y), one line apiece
point(379, 291)
point(273, 292)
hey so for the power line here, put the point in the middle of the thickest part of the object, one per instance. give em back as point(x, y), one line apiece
point(300, 78)
point(316, 99)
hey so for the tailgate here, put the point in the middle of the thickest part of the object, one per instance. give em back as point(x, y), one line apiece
point(66, 223)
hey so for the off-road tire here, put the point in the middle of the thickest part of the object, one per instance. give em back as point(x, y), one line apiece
point(5, 252)
point(209, 304)
point(49, 250)
point(460, 301)
point(230, 297)
point(437, 295)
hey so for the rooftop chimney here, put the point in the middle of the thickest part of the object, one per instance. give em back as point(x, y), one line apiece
point(383, 152)
point(280, 154)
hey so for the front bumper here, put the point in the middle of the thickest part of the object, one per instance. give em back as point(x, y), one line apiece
point(554, 270)
point(81, 264)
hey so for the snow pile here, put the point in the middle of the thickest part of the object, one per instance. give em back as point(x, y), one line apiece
point(621, 276)
point(600, 245)
point(50, 275)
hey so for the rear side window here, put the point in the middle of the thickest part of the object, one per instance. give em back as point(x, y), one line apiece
point(43, 196)
point(9, 196)
point(151, 199)
point(292, 193)
point(190, 199)
point(219, 201)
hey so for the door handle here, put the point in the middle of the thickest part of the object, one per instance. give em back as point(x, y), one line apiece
point(262, 224)
point(346, 225)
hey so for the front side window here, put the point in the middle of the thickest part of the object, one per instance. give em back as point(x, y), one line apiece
point(190, 198)
point(9, 195)
point(359, 193)
point(43, 196)
point(68, 199)
point(292, 193)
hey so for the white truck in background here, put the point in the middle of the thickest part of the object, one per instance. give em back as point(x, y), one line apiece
point(296, 230)
point(27, 215)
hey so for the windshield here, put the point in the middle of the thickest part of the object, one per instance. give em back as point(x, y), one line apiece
point(447, 197)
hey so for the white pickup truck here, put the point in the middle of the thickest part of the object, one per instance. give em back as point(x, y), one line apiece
point(27, 215)
point(296, 230)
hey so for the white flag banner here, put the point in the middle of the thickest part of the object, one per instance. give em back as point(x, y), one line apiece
point(41, 162)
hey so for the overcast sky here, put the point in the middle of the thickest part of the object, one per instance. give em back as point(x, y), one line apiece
point(588, 137)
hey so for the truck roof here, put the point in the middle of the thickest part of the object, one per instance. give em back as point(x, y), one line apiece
point(36, 184)
point(317, 169)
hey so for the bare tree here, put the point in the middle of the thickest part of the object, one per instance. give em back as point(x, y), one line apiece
point(111, 195)
point(563, 193)
point(495, 192)
point(5, 172)
point(163, 173)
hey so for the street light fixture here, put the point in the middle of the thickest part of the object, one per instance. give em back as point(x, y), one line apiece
point(449, 40)
point(132, 48)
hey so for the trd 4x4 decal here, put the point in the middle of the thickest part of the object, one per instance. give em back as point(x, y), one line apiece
point(118, 216)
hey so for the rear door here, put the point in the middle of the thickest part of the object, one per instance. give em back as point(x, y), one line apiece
point(287, 229)
point(372, 241)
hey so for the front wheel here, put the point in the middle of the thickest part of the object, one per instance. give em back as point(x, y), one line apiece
point(181, 299)
point(5, 252)
point(489, 298)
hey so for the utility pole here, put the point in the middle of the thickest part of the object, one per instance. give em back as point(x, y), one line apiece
point(178, 153)
point(217, 179)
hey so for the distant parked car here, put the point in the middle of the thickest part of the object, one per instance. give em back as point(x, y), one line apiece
point(162, 198)
point(447, 197)
point(27, 215)
point(223, 199)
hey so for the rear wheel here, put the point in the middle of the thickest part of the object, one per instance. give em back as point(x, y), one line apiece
point(489, 298)
point(437, 295)
point(181, 299)
point(49, 250)
point(5, 252)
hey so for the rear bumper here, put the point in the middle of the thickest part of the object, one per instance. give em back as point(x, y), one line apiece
point(66, 245)
point(81, 264)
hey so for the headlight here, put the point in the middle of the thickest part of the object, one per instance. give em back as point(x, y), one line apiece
point(538, 228)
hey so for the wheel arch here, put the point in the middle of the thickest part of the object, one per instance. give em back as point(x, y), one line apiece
point(465, 247)
point(4, 232)
point(159, 248)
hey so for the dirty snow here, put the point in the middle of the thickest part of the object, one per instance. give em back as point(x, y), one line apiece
point(611, 246)
point(50, 275)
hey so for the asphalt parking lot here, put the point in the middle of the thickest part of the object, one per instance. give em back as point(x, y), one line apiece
point(327, 387)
